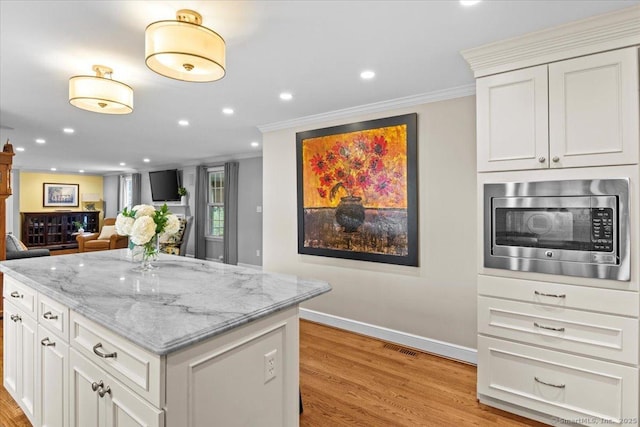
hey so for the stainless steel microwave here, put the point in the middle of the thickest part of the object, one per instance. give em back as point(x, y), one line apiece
point(573, 228)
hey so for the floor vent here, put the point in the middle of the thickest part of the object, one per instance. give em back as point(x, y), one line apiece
point(402, 350)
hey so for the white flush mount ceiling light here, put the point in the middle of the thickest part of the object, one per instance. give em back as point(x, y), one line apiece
point(367, 75)
point(100, 94)
point(469, 2)
point(185, 50)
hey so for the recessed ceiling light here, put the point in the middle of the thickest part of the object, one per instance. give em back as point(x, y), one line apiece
point(183, 122)
point(146, 160)
point(469, 2)
point(286, 96)
point(227, 111)
point(81, 171)
point(68, 130)
point(19, 148)
point(255, 144)
point(122, 163)
point(40, 141)
point(367, 75)
point(54, 169)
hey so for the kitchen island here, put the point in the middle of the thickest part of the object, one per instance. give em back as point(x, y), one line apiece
point(90, 341)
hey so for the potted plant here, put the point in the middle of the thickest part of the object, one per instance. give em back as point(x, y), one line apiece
point(183, 195)
point(79, 226)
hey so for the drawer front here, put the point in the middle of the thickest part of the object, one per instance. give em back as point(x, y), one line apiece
point(558, 384)
point(22, 296)
point(135, 367)
point(591, 334)
point(623, 303)
point(53, 316)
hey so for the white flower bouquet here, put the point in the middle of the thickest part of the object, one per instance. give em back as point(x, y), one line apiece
point(145, 226)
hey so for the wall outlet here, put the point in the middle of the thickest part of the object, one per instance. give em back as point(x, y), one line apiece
point(258, 252)
point(270, 365)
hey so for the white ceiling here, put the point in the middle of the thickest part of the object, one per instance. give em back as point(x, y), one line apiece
point(313, 49)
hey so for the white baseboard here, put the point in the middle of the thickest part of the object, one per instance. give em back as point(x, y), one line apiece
point(255, 267)
point(440, 348)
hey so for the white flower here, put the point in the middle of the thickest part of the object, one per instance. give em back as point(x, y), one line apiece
point(123, 225)
point(144, 210)
point(170, 228)
point(144, 228)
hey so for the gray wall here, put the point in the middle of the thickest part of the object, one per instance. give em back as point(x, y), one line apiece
point(436, 300)
point(249, 220)
point(110, 196)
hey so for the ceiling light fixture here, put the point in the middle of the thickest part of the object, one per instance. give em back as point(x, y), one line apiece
point(40, 141)
point(367, 75)
point(19, 148)
point(286, 96)
point(185, 50)
point(469, 2)
point(227, 111)
point(81, 171)
point(100, 94)
point(183, 122)
point(68, 130)
point(122, 164)
point(53, 169)
point(146, 160)
point(255, 144)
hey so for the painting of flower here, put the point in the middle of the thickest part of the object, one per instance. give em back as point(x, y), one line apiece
point(357, 195)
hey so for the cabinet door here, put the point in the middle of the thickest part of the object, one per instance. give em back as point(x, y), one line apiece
point(10, 349)
point(53, 387)
point(19, 358)
point(512, 114)
point(126, 409)
point(86, 408)
point(593, 112)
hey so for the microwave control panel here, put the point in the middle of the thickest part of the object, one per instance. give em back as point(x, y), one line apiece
point(602, 229)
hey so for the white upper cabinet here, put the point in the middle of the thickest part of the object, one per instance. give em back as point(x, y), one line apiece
point(594, 109)
point(573, 113)
point(512, 120)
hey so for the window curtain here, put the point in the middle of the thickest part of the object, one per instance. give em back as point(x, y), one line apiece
point(230, 255)
point(202, 188)
point(136, 189)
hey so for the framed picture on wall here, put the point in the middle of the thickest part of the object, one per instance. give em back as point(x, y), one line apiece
point(357, 191)
point(56, 195)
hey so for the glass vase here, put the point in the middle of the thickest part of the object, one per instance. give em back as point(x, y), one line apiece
point(150, 252)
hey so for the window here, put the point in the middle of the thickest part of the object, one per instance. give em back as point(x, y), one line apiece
point(215, 203)
point(126, 192)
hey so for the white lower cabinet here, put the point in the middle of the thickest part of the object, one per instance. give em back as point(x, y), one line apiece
point(19, 358)
point(571, 388)
point(53, 379)
point(99, 400)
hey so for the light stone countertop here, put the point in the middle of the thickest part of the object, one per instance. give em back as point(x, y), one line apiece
point(184, 301)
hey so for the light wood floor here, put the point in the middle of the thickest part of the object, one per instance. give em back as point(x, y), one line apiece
point(351, 380)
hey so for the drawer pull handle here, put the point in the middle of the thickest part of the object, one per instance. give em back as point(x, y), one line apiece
point(538, 380)
point(548, 327)
point(101, 354)
point(104, 391)
point(95, 386)
point(49, 316)
point(16, 318)
point(16, 294)
point(550, 295)
point(47, 342)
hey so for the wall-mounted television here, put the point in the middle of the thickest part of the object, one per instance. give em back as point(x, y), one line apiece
point(164, 185)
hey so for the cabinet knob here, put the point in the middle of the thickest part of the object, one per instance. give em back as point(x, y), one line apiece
point(95, 386)
point(16, 294)
point(555, 159)
point(16, 318)
point(104, 391)
point(542, 159)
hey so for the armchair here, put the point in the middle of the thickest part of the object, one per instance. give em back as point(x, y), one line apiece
point(105, 240)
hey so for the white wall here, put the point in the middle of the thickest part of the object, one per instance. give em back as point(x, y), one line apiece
point(436, 300)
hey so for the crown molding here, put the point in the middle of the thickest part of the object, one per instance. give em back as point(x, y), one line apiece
point(409, 101)
point(610, 31)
